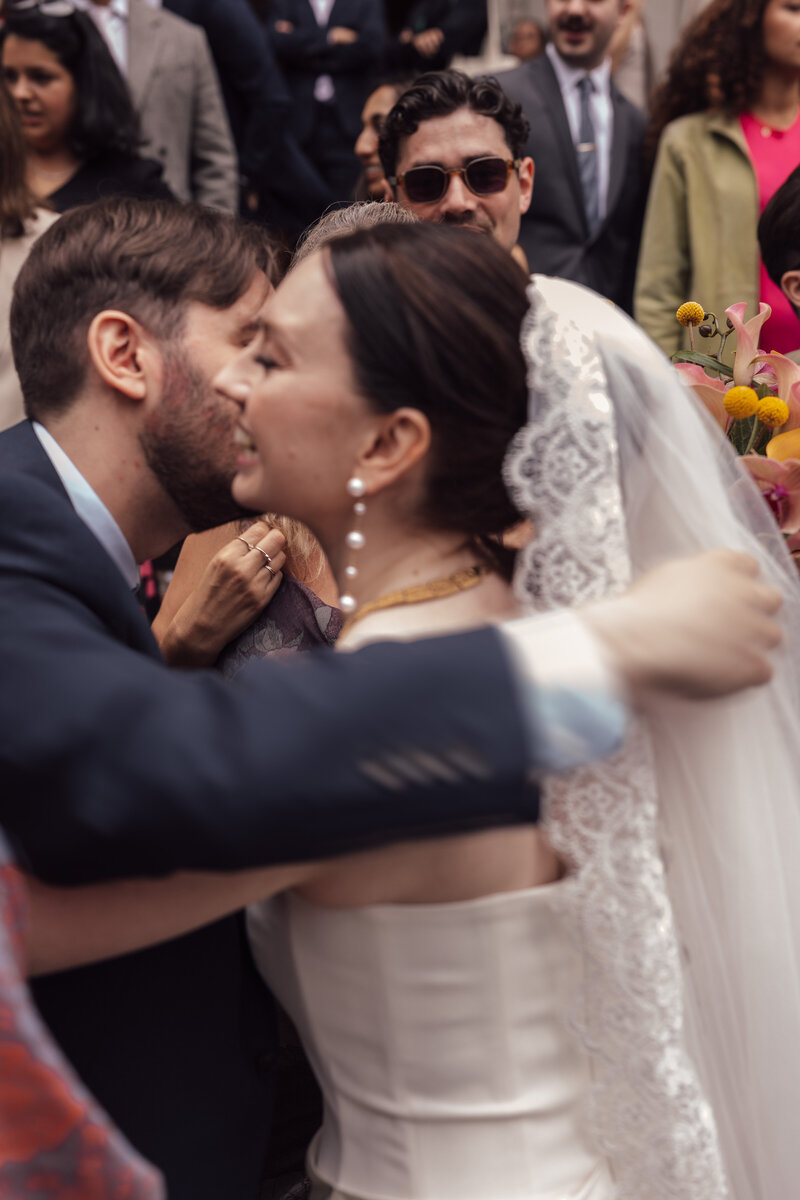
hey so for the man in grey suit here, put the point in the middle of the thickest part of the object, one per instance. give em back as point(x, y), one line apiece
point(585, 218)
point(176, 93)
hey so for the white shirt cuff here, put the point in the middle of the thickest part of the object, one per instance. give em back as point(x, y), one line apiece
point(573, 705)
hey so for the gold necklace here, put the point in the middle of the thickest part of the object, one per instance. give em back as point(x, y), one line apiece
point(437, 589)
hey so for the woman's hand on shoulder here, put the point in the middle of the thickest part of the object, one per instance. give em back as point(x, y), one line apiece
point(236, 585)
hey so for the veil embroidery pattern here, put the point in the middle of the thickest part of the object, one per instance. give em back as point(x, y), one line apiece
point(647, 1112)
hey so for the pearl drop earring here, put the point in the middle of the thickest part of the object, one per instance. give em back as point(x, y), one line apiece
point(355, 540)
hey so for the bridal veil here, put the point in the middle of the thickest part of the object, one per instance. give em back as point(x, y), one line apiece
point(685, 846)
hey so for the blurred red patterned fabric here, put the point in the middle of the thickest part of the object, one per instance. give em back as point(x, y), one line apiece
point(55, 1142)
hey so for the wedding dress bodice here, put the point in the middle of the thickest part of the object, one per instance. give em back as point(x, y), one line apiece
point(438, 1035)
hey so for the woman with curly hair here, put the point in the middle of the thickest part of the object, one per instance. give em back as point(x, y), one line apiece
point(725, 134)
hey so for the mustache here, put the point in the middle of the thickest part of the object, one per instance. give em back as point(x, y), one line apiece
point(465, 219)
point(574, 25)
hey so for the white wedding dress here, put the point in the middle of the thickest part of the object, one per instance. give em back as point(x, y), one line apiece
point(438, 1034)
point(634, 1030)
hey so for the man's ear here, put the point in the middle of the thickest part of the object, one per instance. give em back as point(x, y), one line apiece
point(790, 286)
point(401, 439)
point(526, 172)
point(117, 348)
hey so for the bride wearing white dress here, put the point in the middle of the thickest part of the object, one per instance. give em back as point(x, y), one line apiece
point(526, 1014)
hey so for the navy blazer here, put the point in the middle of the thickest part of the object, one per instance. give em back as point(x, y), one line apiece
point(113, 765)
point(306, 53)
point(554, 233)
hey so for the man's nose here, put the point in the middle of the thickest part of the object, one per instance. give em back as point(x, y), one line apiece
point(575, 8)
point(458, 197)
point(367, 143)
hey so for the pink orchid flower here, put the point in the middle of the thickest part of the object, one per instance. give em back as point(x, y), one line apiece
point(787, 383)
point(708, 390)
point(747, 335)
point(780, 486)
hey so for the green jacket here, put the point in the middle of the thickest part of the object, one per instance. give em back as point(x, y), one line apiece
point(699, 241)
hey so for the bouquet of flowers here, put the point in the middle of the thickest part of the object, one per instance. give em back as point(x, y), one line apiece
point(756, 402)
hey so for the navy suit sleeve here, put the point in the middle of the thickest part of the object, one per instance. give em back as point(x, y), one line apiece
point(112, 765)
point(252, 84)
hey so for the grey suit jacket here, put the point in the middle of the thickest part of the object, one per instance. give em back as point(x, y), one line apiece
point(176, 93)
point(554, 233)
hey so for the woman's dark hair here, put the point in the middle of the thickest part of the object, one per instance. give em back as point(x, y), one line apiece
point(779, 230)
point(104, 114)
point(718, 64)
point(434, 316)
point(17, 204)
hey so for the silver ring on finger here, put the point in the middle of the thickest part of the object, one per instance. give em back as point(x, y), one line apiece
point(267, 567)
point(267, 557)
point(249, 545)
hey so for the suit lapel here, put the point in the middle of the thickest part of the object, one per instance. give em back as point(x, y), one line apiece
point(620, 140)
point(74, 557)
point(143, 48)
point(556, 114)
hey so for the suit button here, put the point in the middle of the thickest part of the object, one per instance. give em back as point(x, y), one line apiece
point(162, 152)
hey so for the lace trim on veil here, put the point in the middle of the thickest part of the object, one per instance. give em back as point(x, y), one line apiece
point(647, 1112)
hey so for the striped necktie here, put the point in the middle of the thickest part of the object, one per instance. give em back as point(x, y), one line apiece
point(587, 157)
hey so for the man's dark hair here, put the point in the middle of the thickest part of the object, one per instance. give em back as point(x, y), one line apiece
point(148, 258)
point(779, 230)
point(105, 119)
point(440, 93)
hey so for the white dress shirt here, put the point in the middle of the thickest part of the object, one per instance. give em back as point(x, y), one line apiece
point(601, 109)
point(577, 706)
point(112, 21)
point(89, 507)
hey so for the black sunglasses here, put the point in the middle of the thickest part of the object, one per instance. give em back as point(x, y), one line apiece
point(483, 177)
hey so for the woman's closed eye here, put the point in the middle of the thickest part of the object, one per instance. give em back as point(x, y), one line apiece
point(269, 364)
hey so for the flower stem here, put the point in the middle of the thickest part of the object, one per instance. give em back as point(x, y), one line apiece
point(754, 433)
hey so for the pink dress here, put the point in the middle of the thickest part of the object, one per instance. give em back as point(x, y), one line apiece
point(774, 154)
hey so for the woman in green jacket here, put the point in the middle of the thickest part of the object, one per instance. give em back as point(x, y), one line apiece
point(726, 125)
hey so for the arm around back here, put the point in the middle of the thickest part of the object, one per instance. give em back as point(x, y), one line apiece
point(113, 765)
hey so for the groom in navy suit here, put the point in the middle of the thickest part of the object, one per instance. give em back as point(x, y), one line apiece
point(111, 765)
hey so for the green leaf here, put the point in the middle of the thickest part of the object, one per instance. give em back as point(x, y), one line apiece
point(703, 360)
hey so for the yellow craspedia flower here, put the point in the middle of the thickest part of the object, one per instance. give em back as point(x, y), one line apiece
point(741, 402)
point(690, 313)
point(772, 412)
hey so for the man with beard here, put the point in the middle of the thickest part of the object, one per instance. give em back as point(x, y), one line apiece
point(111, 765)
point(584, 222)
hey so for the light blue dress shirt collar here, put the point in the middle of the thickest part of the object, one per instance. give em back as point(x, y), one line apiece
point(90, 507)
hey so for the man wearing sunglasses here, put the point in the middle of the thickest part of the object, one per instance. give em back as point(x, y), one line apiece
point(452, 150)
